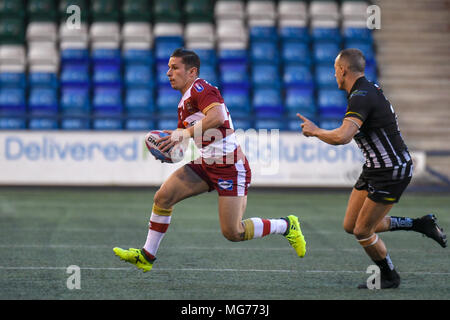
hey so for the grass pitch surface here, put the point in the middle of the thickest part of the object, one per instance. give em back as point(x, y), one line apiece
point(44, 231)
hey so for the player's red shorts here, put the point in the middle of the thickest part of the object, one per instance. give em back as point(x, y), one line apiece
point(227, 179)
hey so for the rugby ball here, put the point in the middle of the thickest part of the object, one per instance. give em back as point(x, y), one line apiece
point(173, 155)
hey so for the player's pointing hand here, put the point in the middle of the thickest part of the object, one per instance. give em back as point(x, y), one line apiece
point(308, 127)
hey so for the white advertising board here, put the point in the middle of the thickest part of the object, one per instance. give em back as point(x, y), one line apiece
point(121, 159)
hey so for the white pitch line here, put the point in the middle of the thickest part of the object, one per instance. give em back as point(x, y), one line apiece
point(184, 248)
point(218, 270)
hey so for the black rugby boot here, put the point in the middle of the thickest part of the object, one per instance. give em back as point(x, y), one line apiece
point(388, 280)
point(428, 226)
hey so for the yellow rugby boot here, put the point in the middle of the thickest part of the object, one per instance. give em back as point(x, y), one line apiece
point(295, 236)
point(136, 257)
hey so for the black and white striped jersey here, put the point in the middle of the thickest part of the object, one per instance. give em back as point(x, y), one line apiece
point(379, 136)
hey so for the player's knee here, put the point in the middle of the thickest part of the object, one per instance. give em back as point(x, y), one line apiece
point(348, 227)
point(231, 235)
point(162, 199)
point(362, 232)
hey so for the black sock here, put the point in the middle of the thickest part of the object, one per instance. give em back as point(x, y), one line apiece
point(401, 223)
point(386, 267)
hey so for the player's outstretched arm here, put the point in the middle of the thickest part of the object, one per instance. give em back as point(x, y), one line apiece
point(342, 135)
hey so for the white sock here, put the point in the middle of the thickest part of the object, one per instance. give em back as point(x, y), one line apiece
point(157, 229)
point(258, 228)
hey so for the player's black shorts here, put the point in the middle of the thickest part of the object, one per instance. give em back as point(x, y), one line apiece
point(381, 186)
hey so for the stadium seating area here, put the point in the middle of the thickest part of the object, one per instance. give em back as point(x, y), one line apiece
point(270, 59)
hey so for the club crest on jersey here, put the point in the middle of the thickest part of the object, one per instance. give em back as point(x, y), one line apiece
point(198, 87)
point(225, 184)
point(189, 107)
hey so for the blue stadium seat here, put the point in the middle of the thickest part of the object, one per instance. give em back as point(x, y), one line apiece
point(371, 72)
point(326, 33)
point(165, 47)
point(75, 75)
point(234, 74)
point(302, 101)
point(264, 52)
point(106, 56)
point(357, 34)
point(366, 48)
point(107, 101)
point(294, 33)
point(263, 32)
point(295, 53)
point(13, 80)
point(140, 56)
point(139, 75)
point(12, 123)
point(139, 101)
point(107, 124)
point(324, 76)
point(74, 55)
point(331, 102)
point(267, 102)
point(242, 123)
point(298, 76)
point(167, 100)
point(161, 74)
point(139, 124)
point(74, 123)
point(233, 55)
point(167, 124)
point(325, 51)
point(43, 80)
point(207, 56)
point(269, 124)
point(43, 124)
point(237, 101)
point(208, 72)
point(12, 101)
point(293, 123)
point(107, 75)
point(75, 101)
point(43, 101)
point(265, 76)
point(330, 123)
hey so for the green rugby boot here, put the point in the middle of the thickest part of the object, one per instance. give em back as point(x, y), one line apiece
point(295, 236)
point(136, 257)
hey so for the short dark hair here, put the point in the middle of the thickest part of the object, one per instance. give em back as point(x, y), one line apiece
point(355, 59)
point(189, 58)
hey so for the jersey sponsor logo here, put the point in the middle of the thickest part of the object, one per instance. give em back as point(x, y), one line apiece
point(198, 87)
point(187, 124)
point(225, 184)
point(361, 93)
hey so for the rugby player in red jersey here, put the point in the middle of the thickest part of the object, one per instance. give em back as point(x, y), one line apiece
point(222, 166)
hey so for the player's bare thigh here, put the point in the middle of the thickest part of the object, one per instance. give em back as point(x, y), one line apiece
point(181, 184)
point(354, 207)
point(231, 211)
point(355, 203)
point(371, 215)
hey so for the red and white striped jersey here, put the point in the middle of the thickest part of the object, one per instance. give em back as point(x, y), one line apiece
point(194, 104)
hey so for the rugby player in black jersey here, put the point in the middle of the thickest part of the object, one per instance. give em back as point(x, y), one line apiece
point(371, 121)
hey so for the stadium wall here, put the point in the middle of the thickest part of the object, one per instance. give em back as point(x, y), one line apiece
point(277, 159)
